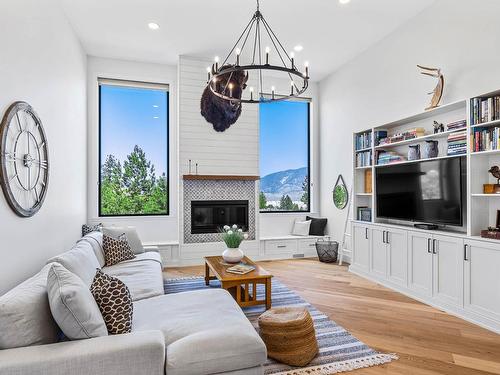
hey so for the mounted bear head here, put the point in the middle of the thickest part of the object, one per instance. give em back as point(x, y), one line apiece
point(222, 113)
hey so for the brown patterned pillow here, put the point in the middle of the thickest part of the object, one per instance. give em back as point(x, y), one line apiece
point(114, 301)
point(116, 250)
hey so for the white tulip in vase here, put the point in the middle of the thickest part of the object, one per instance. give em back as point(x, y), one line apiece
point(233, 237)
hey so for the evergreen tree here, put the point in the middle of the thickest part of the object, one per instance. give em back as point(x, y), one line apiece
point(286, 204)
point(262, 200)
point(305, 188)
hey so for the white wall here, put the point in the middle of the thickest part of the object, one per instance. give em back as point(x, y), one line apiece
point(151, 229)
point(42, 63)
point(383, 83)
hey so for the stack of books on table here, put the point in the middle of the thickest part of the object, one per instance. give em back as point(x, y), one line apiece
point(388, 157)
point(456, 125)
point(486, 139)
point(241, 269)
point(457, 143)
point(484, 110)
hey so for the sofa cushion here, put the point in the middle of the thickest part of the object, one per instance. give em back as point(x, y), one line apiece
point(80, 260)
point(95, 240)
point(318, 226)
point(142, 275)
point(205, 332)
point(25, 317)
point(131, 234)
point(116, 250)
point(73, 306)
point(114, 301)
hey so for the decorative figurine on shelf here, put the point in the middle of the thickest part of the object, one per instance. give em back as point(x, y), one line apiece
point(414, 152)
point(431, 149)
point(495, 172)
point(437, 93)
point(438, 127)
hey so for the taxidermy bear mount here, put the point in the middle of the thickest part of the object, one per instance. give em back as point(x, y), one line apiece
point(222, 113)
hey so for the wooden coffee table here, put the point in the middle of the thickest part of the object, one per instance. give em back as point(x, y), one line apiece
point(239, 285)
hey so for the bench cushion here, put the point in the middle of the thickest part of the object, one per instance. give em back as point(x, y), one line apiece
point(208, 320)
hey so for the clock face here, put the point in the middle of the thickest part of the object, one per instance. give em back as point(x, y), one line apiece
point(24, 159)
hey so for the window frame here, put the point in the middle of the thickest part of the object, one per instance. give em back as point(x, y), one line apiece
point(309, 190)
point(133, 84)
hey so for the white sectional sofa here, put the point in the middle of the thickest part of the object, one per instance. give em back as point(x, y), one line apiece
point(199, 332)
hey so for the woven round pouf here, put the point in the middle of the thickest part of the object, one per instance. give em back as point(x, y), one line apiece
point(289, 335)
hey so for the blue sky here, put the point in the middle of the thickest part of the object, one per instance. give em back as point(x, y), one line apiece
point(132, 116)
point(283, 136)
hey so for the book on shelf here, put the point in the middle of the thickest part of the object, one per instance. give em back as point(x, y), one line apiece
point(403, 136)
point(456, 125)
point(240, 269)
point(484, 110)
point(388, 157)
point(379, 135)
point(486, 139)
point(363, 140)
point(364, 159)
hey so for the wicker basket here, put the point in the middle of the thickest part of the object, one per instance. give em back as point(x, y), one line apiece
point(289, 335)
point(327, 250)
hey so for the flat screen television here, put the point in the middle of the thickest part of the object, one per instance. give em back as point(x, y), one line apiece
point(428, 191)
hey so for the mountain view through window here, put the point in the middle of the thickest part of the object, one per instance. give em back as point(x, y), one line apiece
point(284, 156)
point(133, 150)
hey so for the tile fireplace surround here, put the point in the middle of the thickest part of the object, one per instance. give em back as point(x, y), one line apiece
point(216, 189)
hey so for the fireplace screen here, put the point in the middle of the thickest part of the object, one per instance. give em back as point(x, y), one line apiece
point(211, 216)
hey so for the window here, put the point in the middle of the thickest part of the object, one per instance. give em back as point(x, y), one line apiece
point(133, 148)
point(284, 156)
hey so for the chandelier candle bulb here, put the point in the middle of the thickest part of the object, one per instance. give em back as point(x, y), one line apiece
point(267, 55)
point(251, 93)
point(238, 51)
point(216, 63)
point(272, 91)
point(291, 84)
point(208, 72)
point(230, 90)
point(307, 69)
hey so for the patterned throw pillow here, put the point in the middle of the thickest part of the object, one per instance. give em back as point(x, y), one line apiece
point(114, 301)
point(116, 250)
point(86, 229)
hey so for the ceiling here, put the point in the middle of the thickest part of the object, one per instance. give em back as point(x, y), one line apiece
point(331, 33)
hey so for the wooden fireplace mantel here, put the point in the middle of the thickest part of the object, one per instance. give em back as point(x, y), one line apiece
point(219, 177)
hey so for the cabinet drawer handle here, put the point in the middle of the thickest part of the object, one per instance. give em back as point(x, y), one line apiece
point(387, 237)
point(465, 252)
point(429, 245)
point(281, 246)
point(366, 233)
point(383, 236)
point(434, 247)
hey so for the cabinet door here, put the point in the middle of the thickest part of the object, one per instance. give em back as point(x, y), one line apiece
point(482, 278)
point(420, 263)
point(397, 254)
point(361, 246)
point(448, 269)
point(378, 259)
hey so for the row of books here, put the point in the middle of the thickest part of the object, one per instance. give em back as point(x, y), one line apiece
point(486, 139)
point(484, 110)
point(407, 134)
point(364, 159)
point(456, 125)
point(457, 143)
point(388, 157)
point(379, 135)
point(363, 140)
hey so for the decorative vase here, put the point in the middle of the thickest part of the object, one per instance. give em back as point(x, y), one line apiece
point(414, 152)
point(431, 149)
point(232, 255)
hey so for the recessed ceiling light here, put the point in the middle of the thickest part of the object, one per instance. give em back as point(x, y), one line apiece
point(298, 48)
point(344, 1)
point(153, 26)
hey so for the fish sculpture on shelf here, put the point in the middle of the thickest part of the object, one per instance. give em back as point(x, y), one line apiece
point(437, 93)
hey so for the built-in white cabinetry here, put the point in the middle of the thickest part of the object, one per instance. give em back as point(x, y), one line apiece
point(361, 246)
point(287, 247)
point(450, 271)
point(482, 278)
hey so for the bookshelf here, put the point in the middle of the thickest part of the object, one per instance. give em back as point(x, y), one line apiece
point(481, 208)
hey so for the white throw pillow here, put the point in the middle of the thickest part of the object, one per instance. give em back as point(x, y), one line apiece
point(132, 237)
point(301, 228)
point(72, 305)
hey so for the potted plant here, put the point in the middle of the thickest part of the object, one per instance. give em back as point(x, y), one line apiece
point(233, 237)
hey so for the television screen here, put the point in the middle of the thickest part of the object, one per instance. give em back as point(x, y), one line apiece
point(427, 191)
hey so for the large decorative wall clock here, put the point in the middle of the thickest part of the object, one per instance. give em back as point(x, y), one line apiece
point(24, 159)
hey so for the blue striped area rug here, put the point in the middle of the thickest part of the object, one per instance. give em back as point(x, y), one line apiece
point(339, 351)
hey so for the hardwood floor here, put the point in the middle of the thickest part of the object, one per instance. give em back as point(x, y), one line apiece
point(428, 341)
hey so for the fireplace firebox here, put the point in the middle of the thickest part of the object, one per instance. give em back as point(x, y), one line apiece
point(210, 216)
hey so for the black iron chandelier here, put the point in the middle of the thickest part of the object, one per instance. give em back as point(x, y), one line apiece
point(219, 75)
